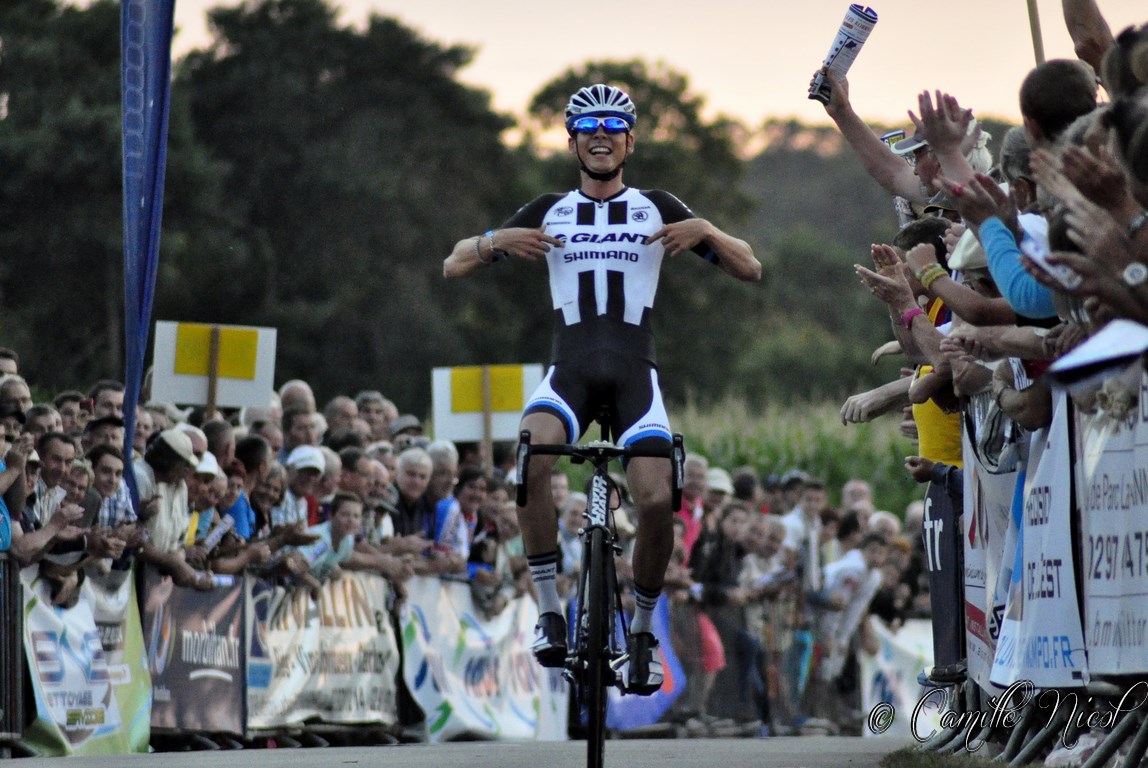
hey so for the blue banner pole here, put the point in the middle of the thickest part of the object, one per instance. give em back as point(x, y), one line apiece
point(145, 80)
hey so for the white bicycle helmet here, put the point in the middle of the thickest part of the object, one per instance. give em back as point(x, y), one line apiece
point(601, 100)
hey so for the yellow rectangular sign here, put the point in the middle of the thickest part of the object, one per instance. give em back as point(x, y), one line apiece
point(237, 351)
point(505, 389)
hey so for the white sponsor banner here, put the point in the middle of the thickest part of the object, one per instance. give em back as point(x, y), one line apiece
point(90, 681)
point(475, 676)
point(334, 658)
point(890, 677)
point(1040, 638)
point(1112, 493)
point(985, 525)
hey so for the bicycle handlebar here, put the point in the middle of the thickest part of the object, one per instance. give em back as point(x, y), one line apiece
point(597, 453)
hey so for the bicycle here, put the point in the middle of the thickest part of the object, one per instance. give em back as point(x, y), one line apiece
point(595, 658)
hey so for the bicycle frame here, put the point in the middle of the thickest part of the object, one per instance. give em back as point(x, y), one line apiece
point(593, 660)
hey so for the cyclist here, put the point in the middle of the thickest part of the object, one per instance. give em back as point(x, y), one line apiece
point(604, 244)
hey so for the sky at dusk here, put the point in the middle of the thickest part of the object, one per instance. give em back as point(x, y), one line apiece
point(749, 59)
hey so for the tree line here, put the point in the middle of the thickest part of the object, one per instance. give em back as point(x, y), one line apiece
point(318, 175)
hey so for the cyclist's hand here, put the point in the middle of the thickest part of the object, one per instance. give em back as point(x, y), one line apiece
point(681, 235)
point(525, 242)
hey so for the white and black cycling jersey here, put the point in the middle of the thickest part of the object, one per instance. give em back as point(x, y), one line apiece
point(604, 279)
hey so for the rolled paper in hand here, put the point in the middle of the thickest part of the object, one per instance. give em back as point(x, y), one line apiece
point(217, 533)
point(859, 22)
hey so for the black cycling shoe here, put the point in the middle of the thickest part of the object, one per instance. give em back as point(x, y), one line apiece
point(642, 673)
point(549, 644)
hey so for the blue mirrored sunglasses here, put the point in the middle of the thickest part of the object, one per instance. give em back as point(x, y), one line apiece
point(592, 124)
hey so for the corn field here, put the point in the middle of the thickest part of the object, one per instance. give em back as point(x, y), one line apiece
point(805, 436)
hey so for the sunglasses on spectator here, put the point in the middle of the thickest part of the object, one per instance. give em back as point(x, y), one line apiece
point(917, 154)
point(592, 124)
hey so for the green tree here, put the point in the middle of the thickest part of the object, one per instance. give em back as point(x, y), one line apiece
point(61, 278)
point(703, 319)
point(354, 160)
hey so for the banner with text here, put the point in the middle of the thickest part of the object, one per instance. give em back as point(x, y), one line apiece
point(1112, 493)
point(985, 526)
point(195, 654)
point(1040, 638)
point(334, 658)
point(475, 676)
point(90, 680)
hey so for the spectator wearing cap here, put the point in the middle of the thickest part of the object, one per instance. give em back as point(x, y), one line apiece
point(206, 487)
point(305, 464)
point(405, 429)
point(719, 491)
point(913, 180)
point(166, 515)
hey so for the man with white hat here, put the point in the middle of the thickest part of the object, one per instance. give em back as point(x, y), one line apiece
point(304, 465)
point(166, 515)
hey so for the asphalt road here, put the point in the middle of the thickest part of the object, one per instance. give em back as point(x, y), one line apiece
point(791, 752)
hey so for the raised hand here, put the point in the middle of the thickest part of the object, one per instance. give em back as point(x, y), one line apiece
point(945, 124)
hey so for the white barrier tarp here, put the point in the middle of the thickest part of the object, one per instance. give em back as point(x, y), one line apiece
point(474, 676)
point(1112, 493)
point(334, 658)
point(1040, 637)
point(91, 684)
point(986, 525)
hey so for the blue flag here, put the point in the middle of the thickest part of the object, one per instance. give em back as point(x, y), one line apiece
point(145, 49)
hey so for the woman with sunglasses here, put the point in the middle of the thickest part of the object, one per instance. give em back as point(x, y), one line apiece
point(603, 244)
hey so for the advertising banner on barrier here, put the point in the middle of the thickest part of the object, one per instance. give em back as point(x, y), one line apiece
point(1112, 493)
point(474, 676)
point(890, 678)
point(195, 654)
point(90, 699)
point(944, 559)
point(986, 523)
point(1040, 638)
point(334, 658)
point(11, 651)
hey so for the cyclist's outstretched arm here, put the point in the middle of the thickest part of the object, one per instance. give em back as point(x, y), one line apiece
point(733, 255)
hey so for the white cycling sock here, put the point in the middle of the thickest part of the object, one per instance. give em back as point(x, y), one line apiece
point(645, 600)
point(544, 571)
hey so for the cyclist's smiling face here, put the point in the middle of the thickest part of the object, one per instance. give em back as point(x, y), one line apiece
point(601, 151)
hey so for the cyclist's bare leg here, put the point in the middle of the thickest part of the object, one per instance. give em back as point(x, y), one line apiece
point(538, 520)
point(649, 480)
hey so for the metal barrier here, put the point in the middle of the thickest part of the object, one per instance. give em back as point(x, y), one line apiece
point(11, 653)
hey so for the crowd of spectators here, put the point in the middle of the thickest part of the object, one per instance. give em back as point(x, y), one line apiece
point(1004, 267)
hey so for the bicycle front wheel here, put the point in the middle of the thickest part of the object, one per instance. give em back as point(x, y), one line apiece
point(597, 598)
